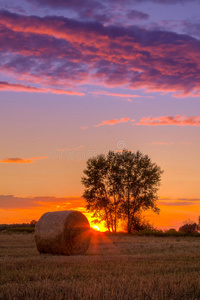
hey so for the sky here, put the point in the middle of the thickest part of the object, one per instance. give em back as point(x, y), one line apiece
point(80, 78)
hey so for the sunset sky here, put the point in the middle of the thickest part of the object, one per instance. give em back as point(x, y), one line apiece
point(79, 78)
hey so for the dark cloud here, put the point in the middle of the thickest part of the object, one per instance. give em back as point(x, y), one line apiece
point(183, 203)
point(137, 15)
point(79, 4)
point(12, 202)
point(59, 51)
point(179, 201)
point(169, 2)
point(189, 199)
point(99, 4)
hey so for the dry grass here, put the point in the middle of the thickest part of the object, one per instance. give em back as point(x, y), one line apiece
point(115, 267)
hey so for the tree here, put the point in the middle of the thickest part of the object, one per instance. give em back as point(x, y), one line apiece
point(189, 228)
point(33, 223)
point(120, 185)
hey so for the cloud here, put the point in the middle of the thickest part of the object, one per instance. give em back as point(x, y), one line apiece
point(169, 143)
point(71, 4)
point(17, 160)
point(162, 143)
point(116, 95)
point(179, 202)
point(84, 127)
point(169, 2)
point(71, 149)
point(104, 11)
point(7, 86)
point(13, 202)
point(137, 15)
point(80, 5)
point(55, 51)
point(176, 203)
point(113, 122)
point(169, 120)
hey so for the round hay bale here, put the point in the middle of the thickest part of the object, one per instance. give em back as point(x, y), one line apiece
point(63, 232)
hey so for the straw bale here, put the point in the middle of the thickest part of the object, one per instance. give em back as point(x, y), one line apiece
point(63, 232)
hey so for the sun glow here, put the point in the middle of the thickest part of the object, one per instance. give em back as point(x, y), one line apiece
point(95, 227)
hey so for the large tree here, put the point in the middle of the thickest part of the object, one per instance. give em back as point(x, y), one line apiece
point(121, 185)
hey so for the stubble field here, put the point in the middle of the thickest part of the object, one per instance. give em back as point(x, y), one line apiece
point(115, 267)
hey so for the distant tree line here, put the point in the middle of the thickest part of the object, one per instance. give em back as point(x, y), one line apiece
point(18, 225)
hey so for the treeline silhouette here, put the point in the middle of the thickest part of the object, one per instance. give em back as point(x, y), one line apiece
point(19, 227)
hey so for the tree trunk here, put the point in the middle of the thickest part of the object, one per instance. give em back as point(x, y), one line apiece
point(111, 221)
point(128, 225)
point(115, 214)
point(107, 221)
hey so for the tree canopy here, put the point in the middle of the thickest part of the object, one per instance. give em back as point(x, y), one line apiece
point(119, 185)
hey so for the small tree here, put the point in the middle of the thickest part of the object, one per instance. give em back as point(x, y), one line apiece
point(189, 228)
point(33, 223)
point(121, 184)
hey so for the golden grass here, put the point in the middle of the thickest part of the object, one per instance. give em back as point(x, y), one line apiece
point(115, 267)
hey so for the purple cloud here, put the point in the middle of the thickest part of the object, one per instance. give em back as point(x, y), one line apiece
point(97, 4)
point(137, 15)
point(55, 51)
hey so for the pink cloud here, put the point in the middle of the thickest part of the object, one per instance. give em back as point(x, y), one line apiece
point(162, 143)
point(116, 95)
point(7, 86)
point(113, 122)
point(168, 120)
point(169, 143)
point(70, 149)
point(84, 127)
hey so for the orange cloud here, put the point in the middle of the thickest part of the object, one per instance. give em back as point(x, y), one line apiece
point(17, 160)
point(168, 120)
point(7, 86)
point(113, 122)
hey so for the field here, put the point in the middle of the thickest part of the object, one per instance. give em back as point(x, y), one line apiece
point(115, 267)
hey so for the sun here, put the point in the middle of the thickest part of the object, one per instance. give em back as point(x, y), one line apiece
point(95, 227)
